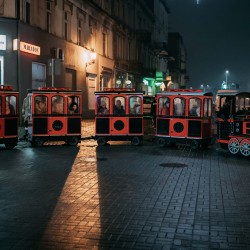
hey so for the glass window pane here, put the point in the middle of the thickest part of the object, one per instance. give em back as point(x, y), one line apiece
point(119, 105)
point(41, 104)
point(73, 105)
point(194, 107)
point(103, 105)
point(164, 106)
point(57, 105)
point(10, 105)
point(38, 75)
point(135, 105)
point(179, 106)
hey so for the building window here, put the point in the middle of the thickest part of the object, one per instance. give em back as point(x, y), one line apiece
point(38, 75)
point(129, 50)
point(92, 31)
point(66, 25)
point(48, 28)
point(104, 44)
point(27, 11)
point(2, 7)
point(119, 48)
point(79, 32)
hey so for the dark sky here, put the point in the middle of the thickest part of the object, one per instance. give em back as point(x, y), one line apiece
point(216, 34)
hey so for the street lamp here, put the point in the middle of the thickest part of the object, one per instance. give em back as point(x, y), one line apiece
point(226, 78)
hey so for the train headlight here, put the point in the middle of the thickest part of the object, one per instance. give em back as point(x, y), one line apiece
point(237, 130)
point(237, 124)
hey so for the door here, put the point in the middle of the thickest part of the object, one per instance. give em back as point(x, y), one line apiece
point(91, 83)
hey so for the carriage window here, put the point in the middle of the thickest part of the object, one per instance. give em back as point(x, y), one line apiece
point(225, 101)
point(73, 104)
point(119, 105)
point(103, 105)
point(207, 107)
point(41, 104)
point(10, 105)
point(179, 106)
point(210, 108)
point(164, 106)
point(57, 104)
point(194, 107)
point(242, 105)
point(135, 105)
point(226, 106)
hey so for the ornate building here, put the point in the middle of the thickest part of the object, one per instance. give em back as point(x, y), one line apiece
point(86, 45)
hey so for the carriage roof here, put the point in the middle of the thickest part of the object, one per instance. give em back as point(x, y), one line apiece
point(232, 93)
point(53, 90)
point(184, 92)
point(119, 91)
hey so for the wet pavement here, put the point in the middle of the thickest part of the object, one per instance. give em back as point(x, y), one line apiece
point(123, 197)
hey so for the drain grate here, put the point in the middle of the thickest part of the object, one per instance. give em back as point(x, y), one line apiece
point(173, 165)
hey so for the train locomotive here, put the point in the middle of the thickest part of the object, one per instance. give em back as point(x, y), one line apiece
point(181, 116)
point(233, 121)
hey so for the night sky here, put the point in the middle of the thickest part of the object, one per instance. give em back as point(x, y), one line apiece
point(216, 34)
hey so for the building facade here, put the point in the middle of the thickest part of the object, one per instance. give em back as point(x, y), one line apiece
point(83, 45)
point(177, 64)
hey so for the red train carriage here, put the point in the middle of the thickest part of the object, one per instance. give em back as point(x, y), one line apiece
point(54, 115)
point(8, 116)
point(119, 116)
point(184, 116)
point(233, 121)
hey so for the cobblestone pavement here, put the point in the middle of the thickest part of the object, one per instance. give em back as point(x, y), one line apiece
point(123, 197)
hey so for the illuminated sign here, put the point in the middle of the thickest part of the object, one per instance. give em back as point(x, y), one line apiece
point(159, 76)
point(29, 48)
point(2, 42)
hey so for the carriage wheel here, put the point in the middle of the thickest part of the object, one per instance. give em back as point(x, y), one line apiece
point(136, 141)
point(194, 144)
point(37, 142)
point(161, 142)
point(101, 141)
point(233, 146)
point(72, 141)
point(245, 147)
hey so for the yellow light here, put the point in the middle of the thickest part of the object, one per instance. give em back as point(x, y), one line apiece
point(15, 44)
point(92, 56)
point(30, 48)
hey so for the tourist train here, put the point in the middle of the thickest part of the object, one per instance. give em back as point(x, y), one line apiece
point(182, 116)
